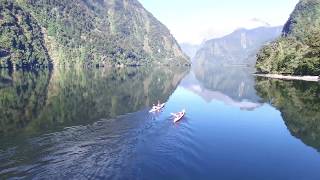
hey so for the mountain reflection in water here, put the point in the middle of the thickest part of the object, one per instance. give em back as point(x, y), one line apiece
point(42, 101)
point(95, 124)
point(299, 104)
point(232, 85)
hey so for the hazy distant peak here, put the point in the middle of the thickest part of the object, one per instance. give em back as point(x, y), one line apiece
point(190, 49)
point(238, 47)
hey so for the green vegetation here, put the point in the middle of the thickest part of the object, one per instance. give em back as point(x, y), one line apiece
point(298, 51)
point(22, 96)
point(299, 104)
point(97, 33)
point(21, 40)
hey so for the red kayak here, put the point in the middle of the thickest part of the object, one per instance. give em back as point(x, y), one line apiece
point(178, 116)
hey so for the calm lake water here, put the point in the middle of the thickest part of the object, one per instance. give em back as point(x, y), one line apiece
point(95, 124)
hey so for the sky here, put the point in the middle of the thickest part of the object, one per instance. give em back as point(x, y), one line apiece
point(193, 21)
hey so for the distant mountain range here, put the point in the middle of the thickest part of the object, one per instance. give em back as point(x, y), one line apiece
point(237, 48)
point(90, 32)
point(190, 49)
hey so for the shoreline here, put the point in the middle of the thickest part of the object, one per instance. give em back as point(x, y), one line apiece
point(290, 77)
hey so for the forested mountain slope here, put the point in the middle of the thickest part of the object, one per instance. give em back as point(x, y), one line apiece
point(298, 50)
point(97, 32)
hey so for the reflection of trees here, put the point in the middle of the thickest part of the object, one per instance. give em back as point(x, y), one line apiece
point(235, 82)
point(82, 96)
point(22, 97)
point(299, 103)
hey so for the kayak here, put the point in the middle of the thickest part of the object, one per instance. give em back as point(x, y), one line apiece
point(157, 108)
point(178, 116)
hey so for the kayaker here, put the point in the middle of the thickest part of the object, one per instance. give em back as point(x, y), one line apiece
point(177, 114)
point(181, 113)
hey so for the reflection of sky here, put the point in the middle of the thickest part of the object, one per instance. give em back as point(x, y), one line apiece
point(205, 19)
point(215, 95)
point(212, 140)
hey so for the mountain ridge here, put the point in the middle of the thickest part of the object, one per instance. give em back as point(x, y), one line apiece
point(239, 47)
point(102, 33)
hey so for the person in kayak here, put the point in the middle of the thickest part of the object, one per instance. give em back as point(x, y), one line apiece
point(178, 114)
point(156, 106)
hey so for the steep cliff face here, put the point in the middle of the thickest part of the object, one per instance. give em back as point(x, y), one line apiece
point(103, 32)
point(298, 50)
point(303, 20)
point(21, 40)
point(238, 47)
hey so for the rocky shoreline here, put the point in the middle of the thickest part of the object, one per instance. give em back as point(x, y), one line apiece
point(290, 77)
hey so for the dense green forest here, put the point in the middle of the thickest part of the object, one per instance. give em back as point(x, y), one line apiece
point(88, 32)
point(299, 104)
point(21, 40)
point(297, 52)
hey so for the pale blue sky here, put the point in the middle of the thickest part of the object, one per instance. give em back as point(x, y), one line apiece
point(195, 20)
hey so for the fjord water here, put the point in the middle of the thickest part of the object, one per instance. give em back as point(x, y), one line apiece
point(95, 124)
